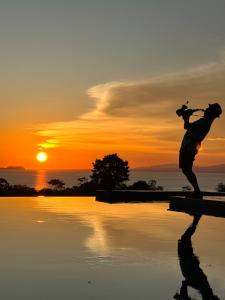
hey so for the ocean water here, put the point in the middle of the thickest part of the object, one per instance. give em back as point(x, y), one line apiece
point(169, 180)
point(76, 248)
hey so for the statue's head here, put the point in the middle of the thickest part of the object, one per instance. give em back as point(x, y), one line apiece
point(213, 111)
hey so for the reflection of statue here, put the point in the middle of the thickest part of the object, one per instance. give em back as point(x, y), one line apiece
point(195, 134)
point(190, 267)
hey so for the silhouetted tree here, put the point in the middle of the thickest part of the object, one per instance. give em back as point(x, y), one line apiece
point(57, 184)
point(110, 172)
point(139, 185)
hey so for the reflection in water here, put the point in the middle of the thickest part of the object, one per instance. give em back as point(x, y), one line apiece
point(98, 241)
point(63, 243)
point(114, 227)
point(40, 180)
point(190, 267)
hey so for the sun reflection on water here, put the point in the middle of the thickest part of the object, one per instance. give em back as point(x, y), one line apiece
point(40, 180)
point(114, 226)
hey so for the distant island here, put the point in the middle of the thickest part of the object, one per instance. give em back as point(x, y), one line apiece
point(174, 168)
point(12, 168)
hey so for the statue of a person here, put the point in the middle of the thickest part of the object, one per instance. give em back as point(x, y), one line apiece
point(191, 143)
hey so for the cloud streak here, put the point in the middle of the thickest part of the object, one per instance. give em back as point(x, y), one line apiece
point(140, 115)
point(158, 97)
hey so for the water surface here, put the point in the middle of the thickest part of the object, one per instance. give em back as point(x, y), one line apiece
point(76, 248)
point(169, 180)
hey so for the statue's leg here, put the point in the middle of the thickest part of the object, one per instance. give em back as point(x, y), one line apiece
point(191, 177)
point(186, 160)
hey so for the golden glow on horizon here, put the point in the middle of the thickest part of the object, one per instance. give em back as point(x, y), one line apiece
point(76, 144)
point(42, 157)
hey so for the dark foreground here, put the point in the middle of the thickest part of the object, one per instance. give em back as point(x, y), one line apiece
point(118, 196)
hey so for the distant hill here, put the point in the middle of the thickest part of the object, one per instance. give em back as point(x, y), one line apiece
point(159, 168)
point(174, 168)
point(212, 169)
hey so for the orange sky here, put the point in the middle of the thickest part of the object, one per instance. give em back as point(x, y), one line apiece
point(81, 79)
point(76, 145)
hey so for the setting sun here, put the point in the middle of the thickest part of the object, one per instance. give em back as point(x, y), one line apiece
point(42, 156)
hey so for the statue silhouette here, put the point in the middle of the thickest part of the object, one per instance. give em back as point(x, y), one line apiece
point(190, 267)
point(191, 143)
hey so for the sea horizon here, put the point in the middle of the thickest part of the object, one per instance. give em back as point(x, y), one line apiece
point(168, 167)
point(169, 180)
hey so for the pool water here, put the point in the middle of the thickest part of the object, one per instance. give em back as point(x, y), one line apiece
point(77, 248)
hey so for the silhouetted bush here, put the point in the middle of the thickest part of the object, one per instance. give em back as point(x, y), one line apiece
point(55, 192)
point(86, 188)
point(153, 185)
point(15, 190)
point(4, 183)
point(186, 188)
point(220, 187)
point(143, 185)
point(23, 190)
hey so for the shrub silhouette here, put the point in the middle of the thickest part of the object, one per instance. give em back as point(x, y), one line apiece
point(186, 188)
point(15, 190)
point(220, 187)
point(143, 185)
point(4, 184)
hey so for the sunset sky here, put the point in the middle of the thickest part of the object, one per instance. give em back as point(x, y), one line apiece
point(84, 78)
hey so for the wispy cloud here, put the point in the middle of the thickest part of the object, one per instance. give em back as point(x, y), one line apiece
point(106, 134)
point(159, 97)
point(139, 115)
